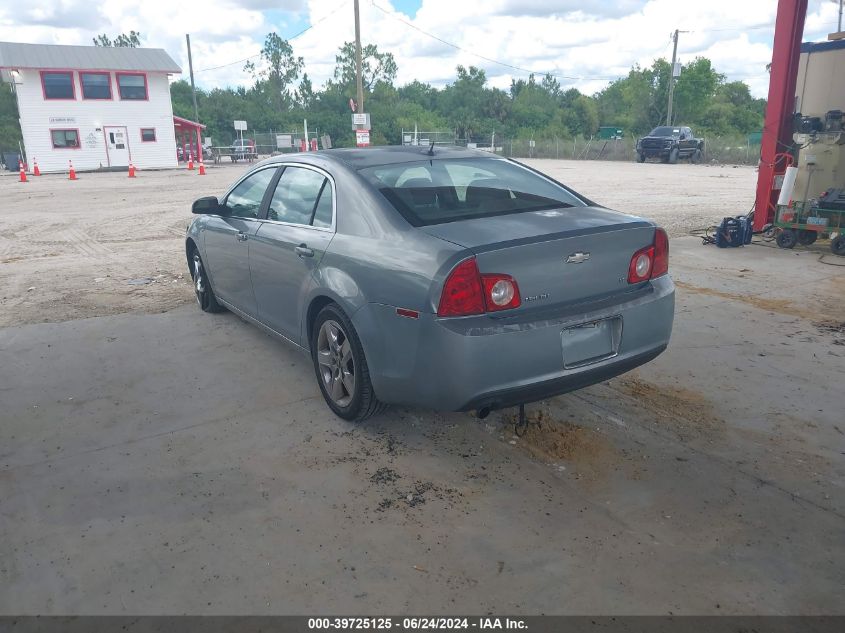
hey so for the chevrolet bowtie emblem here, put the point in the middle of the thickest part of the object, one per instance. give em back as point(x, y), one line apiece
point(577, 258)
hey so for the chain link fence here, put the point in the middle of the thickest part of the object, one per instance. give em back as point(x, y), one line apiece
point(269, 143)
point(733, 150)
point(717, 149)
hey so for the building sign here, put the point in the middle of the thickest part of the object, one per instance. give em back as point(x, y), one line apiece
point(91, 141)
point(240, 125)
point(61, 120)
point(362, 138)
point(361, 121)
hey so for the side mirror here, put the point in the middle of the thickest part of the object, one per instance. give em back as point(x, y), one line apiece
point(209, 204)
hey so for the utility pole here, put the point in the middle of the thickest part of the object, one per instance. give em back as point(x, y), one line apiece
point(672, 78)
point(358, 60)
point(193, 88)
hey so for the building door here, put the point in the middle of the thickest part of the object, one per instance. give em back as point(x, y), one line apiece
point(117, 145)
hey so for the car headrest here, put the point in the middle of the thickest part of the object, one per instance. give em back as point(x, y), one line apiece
point(415, 183)
point(421, 191)
point(486, 190)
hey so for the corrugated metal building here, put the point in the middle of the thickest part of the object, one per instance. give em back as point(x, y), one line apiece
point(100, 107)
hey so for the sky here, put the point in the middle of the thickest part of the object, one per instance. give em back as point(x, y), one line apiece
point(584, 43)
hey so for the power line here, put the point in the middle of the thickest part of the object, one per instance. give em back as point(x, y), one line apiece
point(489, 59)
point(302, 32)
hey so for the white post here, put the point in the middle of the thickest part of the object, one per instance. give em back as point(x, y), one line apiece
point(305, 126)
point(416, 137)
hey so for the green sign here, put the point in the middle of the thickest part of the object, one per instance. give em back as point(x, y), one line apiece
point(609, 132)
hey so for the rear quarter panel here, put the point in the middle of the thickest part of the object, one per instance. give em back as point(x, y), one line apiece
point(375, 257)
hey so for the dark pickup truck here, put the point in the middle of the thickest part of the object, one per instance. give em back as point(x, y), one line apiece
point(669, 143)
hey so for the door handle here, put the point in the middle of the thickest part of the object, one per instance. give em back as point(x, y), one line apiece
point(242, 237)
point(303, 251)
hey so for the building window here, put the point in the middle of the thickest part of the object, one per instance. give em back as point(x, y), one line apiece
point(148, 134)
point(95, 85)
point(132, 87)
point(65, 139)
point(58, 85)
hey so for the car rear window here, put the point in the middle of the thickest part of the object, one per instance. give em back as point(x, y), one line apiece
point(446, 190)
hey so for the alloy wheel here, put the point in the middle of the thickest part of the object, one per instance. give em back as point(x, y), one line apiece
point(336, 363)
point(199, 280)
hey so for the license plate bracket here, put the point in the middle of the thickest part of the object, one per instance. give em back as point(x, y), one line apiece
point(591, 342)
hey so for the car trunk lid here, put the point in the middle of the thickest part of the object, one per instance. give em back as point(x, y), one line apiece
point(556, 256)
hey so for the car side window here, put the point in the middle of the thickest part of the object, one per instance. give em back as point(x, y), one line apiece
point(296, 196)
point(325, 207)
point(244, 201)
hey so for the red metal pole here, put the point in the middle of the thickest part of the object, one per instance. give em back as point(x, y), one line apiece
point(777, 130)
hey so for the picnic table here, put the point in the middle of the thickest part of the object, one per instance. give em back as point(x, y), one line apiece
point(234, 153)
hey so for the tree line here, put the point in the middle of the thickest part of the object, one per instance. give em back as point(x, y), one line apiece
point(280, 95)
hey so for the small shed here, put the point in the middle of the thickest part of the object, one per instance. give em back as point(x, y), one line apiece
point(188, 138)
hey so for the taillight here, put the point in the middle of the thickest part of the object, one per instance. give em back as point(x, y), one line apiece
point(462, 294)
point(641, 264)
point(651, 261)
point(466, 291)
point(500, 292)
point(661, 254)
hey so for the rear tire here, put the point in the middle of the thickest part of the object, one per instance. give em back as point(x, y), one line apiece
point(341, 368)
point(640, 157)
point(202, 285)
point(787, 238)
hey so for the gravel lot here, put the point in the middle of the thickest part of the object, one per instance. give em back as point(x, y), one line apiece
point(77, 249)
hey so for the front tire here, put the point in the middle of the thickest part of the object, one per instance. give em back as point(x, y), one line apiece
point(341, 368)
point(202, 286)
point(787, 238)
point(640, 157)
point(673, 156)
point(695, 158)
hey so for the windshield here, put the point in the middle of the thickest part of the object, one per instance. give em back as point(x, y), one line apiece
point(437, 191)
point(665, 130)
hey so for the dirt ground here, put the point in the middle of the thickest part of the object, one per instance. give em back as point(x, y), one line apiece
point(106, 244)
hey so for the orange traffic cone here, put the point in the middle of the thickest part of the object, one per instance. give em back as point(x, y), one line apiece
point(191, 161)
point(202, 169)
point(131, 170)
point(23, 171)
point(72, 173)
point(35, 170)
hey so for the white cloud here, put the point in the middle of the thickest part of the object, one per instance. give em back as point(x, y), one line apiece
point(588, 41)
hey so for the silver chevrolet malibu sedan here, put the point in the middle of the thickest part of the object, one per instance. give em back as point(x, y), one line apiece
point(437, 277)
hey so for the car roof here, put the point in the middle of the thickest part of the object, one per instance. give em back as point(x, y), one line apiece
point(362, 157)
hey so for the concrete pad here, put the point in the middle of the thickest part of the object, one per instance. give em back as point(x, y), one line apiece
point(185, 463)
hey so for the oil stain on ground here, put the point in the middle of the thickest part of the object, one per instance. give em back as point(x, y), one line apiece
point(588, 452)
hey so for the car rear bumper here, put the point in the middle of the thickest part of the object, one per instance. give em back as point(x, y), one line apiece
point(476, 362)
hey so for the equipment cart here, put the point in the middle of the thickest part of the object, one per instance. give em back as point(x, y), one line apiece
point(802, 223)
